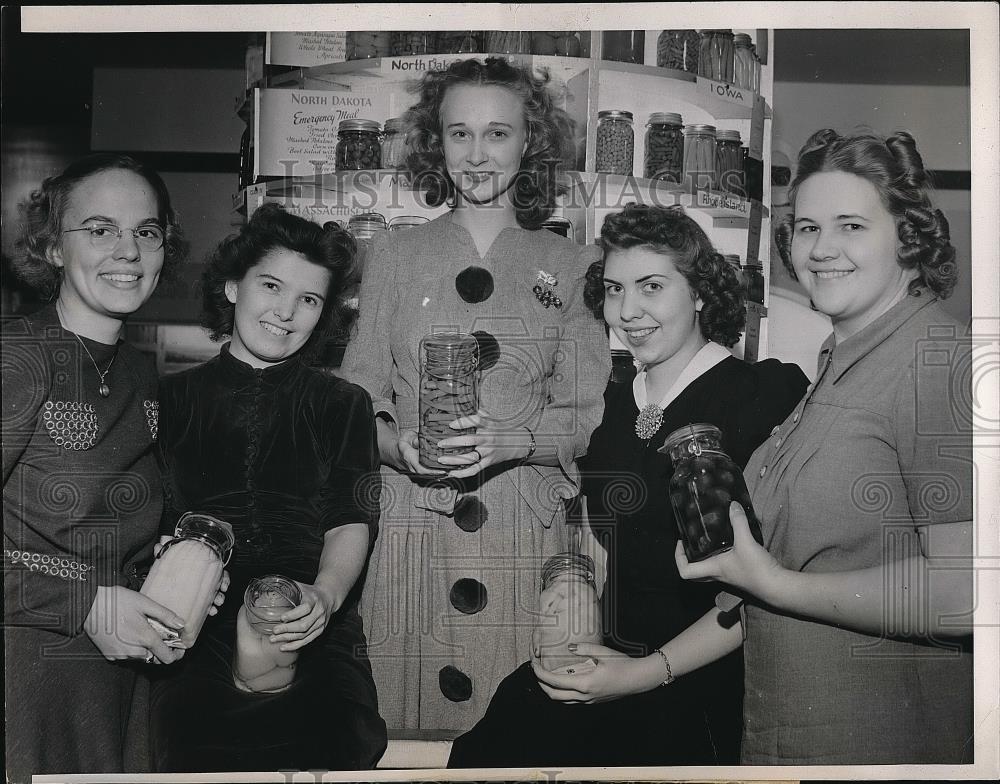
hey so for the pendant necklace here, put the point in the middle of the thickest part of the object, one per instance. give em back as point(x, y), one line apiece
point(103, 389)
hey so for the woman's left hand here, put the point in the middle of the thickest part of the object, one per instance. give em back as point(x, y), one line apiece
point(491, 445)
point(747, 566)
point(306, 621)
point(614, 675)
point(220, 595)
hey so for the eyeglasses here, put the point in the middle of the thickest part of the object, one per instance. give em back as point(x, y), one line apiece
point(105, 236)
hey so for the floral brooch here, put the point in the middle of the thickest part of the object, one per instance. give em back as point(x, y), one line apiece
point(543, 289)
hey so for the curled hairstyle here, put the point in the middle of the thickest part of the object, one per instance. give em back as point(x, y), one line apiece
point(669, 231)
point(43, 212)
point(549, 135)
point(271, 228)
point(896, 170)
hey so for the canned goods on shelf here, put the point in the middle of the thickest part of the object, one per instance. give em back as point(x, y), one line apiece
point(715, 55)
point(663, 158)
point(729, 174)
point(699, 155)
point(615, 142)
point(358, 145)
point(743, 58)
point(678, 49)
point(626, 46)
point(394, 149)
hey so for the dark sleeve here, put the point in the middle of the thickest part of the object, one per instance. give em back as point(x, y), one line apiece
point(353, 488)
point(766, 398)
point(166, 432)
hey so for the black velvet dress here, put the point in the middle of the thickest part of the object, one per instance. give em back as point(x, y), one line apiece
point(284, 454)
point(697, 719)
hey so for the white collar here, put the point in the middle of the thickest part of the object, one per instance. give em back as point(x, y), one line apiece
point(708, 356)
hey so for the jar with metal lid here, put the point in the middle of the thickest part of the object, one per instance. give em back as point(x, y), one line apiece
point(678, 49)
point(508, 42)
point(743, 61)
point(394, 149)
point(558, 225)
point(729, 162)
point(615, 142)
point(569, 611)
point(358, 145)
point(187, 573)
point(715, 55)
point(699, 155)
point(626, 46)
point(410, 42)
point(363, 45)
point(664, 154)
point(704, 482)
point(260, 665)
point(401, 222)
point(449, 389)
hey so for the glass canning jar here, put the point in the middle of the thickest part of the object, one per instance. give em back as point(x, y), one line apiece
point(626, 46)
point(715, 55)
point(460, 42)
point(663, 158)
point(358, 145)
point(729, 162)
point(449, 389)
point(615, 142)
point(699, 155)
point(704, 482)
point(678, 49)
point(411, 42)
point(363, 228)
point(394, 149)
point(187, 573)
point(567, 44)
point(401, 222)
point(508, 42)
point(260, 665)
point(743, 61)
point(363, 45)
point(755, 74)
point(569, 612)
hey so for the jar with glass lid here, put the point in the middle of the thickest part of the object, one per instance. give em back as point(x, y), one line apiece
point(626, 46)
point(715, 55)
point(729, 162)
point(615, 142)
point(449, 389)
point(363, 45)
point(401, 222)
point(260, 665)
point(678, 49)
point(394, 149)
point(663, 158)
point(569, 612)
point(699, 155)
point(358, 145)
point(704, 482)
point(743, 58)
point(187, 573)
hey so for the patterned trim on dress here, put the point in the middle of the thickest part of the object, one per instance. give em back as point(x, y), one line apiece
point(49, 564)
point(71, 425)
point(152, 409)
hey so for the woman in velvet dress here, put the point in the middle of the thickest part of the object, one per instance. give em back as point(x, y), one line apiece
point(287, 455)
point(676, 304)
point(81, 488)
point(455, 576)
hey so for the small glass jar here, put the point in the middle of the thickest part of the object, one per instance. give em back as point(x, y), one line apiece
point(364, 45)
point(678, 49)
point(187, 573)
point(743, 58)
point(358, 145)
point(699, 155)
point(569, 612)
point(615, 142)
point(449, 389)
point(664, 154)
point(567, 44)
point(729, 174)
point(625, 46)
point(260, 665)
point(363, 228)
point(704, 482)
point(715, 55)
point(410, 42)
point(508, 42)
point(401, 222)
point(394, 149)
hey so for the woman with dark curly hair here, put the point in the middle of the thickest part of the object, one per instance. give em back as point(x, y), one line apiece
point(81, 489)
point(286, 454)
point(455, 576)
point(858, 607)
point(677, 305)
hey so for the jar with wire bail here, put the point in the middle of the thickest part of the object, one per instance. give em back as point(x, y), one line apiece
point(358, 145)
point(663, 158)
point(699, 155)
point(615, 142)
point(449, 390)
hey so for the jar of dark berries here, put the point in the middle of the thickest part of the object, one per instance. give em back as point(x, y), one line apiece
point(358, 145)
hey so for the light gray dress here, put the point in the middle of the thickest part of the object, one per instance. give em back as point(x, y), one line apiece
point(453, 582)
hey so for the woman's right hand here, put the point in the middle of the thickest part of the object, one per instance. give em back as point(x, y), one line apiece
point(117, 625)
point(409, 455)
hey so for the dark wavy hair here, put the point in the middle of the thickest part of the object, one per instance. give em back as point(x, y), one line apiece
point(43, 212)
point(670, 231)
point(549, 132)
point(893, 165)
point(271, 228)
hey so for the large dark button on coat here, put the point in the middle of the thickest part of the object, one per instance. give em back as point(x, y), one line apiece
point(470, 513)
point(468, 596)
point(474, 284)
point(454, 684)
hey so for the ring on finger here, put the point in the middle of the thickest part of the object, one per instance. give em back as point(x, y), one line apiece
point(149, 658)
point(477, 454)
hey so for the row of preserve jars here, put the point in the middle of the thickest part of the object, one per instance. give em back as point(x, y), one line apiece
point(361, 144)
point(365, 44)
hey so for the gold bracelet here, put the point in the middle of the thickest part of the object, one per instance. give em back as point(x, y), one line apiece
point(531, 446)
point(666, 663)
